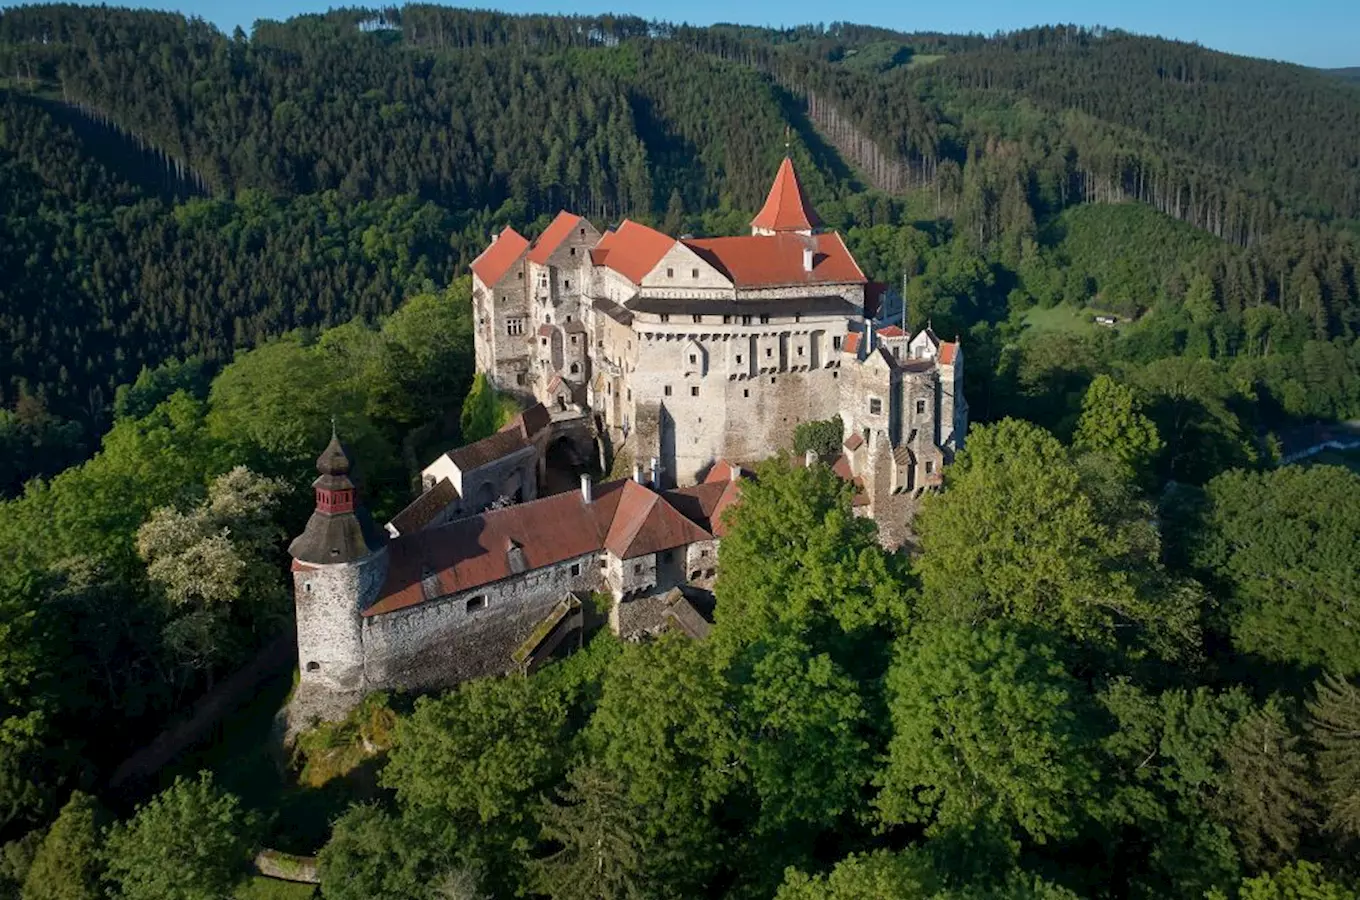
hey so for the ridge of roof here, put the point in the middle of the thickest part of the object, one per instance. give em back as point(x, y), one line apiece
point(633, 250)
point(552, 237)
point(493, 262)
point(786, 206)
point(777, 259)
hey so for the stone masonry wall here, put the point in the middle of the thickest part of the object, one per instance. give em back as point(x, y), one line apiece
point(443, 641)
point(328, 601)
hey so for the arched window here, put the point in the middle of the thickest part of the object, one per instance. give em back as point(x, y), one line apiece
point(575, 369)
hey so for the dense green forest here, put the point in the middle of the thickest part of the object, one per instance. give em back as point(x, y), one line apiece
point(1137, 679)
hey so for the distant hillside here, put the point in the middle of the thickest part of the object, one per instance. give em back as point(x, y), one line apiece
point(349, 165)
point(1348, 74)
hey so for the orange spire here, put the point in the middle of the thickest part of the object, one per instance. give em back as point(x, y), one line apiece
point(787, 207)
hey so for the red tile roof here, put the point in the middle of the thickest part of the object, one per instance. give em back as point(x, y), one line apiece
point(705, 503)
point(851, 343)
point(854, 442)
point(891, 331)
point(553, 236)
point(646, 523)
point(625, 518)
point(786, 208)
point(947, 353)
point(632, 251)
point(771, 260)
point(497, 259)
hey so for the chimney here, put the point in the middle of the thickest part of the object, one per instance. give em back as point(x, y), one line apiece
point(656, 474)
point(807, 259)
point(810, 458)
point(587, 488)
point(514, 556)
point(637, 473)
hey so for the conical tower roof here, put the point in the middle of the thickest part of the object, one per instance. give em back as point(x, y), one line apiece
point(340, 530)
point(786, 208)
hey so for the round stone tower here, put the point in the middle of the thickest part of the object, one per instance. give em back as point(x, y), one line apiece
point(339, 564)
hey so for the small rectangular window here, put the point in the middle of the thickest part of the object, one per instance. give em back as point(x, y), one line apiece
point(769, 351)
point(746, 392)
point(476, 603)
point(727, 320)
point(920, 407)
point(930, 467)
point(693, 358)
point(746, 320)
point(566, 285)
point(665, 317)
point(667, 390)
point(738, 359)
point(836, 342)
point(694, 391)
point(693, 273)
point(875, 406)
point(670, 273)
point(764, 320)
point(698, 320)
point(637, 568)
point(575, 569)
point(800, 351)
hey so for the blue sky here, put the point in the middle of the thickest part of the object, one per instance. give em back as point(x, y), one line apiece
point(1312, 32)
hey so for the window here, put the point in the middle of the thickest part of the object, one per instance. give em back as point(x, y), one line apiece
point(797, 318)
point(573, 340)
point(575, 369)
point(764, 320)
point(630, 393)
point(698, 320)
point(604, 563)
point(519, 275)
point(771, 379)
point(800, 351)
point(769, 351)
point(476, 603)
point(920, 407)
point(637, 568)
point(575, 569)
point(693, 359)
point(583, 232)
point(514, 327)
point(746, 392)
point(738, 359)
point(313, 666)
point(670, 273)
point(930, 467)
point(693, 273)
point(746, 320)
point(545, 342)
point(835, 375)
point(665, 317)
point(572, 251)
point(703, 554)
point(836, 343)
point(875, 406)
point(694, 391)
point(667, 390)
point(519, 379)
point(307, 586)
point(727, 320)
point(566, 286)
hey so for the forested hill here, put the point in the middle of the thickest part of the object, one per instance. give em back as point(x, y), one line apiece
point(173, 191)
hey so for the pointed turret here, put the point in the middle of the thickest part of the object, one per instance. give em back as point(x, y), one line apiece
point(340, 530)
point(786, 209)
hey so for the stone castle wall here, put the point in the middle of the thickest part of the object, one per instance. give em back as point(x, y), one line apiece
point(444, 641)
point(330, 638)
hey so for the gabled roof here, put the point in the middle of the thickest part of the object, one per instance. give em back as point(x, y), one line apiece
point(947, 353)
point(488, 449)
point(772, 260)
point(645, 523)
point(497, 259)
point(422, 510)
point(553, 236)
point(632, 251)
point(705, 503)
point(787, 207)
point(625, 518)
point(530, 422)
point(891, 331)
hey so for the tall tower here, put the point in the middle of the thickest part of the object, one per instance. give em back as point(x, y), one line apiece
point(339, 563)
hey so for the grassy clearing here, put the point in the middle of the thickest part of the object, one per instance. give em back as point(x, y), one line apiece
point(258, 888)
point(924, 59)
point(1063, 318)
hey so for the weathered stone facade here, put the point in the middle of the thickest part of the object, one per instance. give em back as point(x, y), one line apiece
point(692, 353)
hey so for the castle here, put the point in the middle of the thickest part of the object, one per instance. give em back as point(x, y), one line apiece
point(697, 355)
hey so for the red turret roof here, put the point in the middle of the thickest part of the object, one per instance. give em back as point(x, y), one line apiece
point(787, 207)
point(497, 259)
